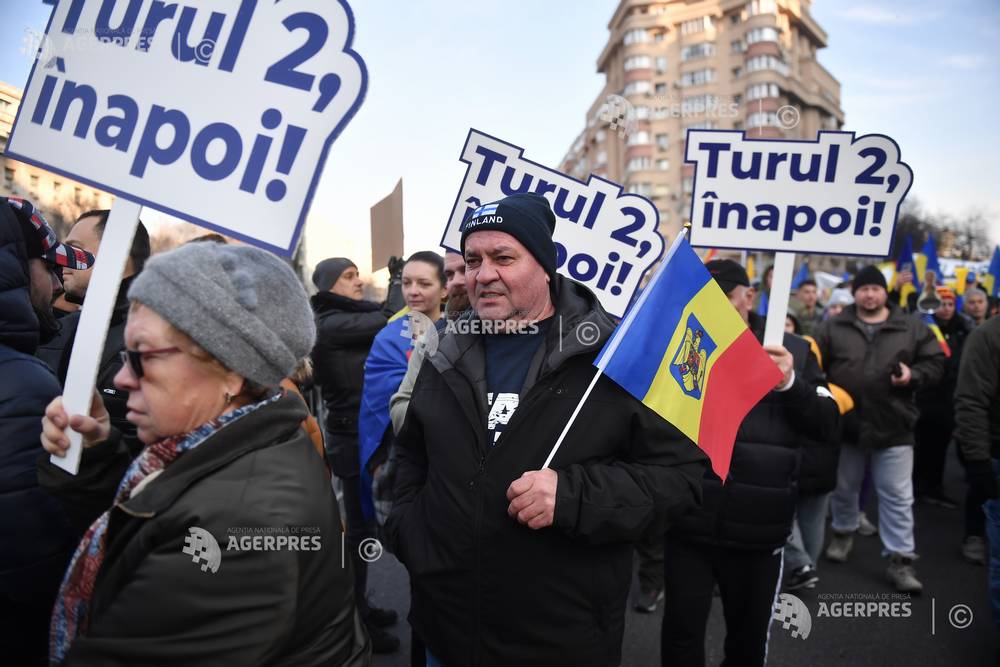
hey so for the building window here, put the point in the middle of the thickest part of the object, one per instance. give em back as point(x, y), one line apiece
point(688, 184)
point(637, 87)
point(756, 7)
point(599, 136)
point(697, 104)
point(663, 164)
point(636, 62)
point(8, 175)
point(697, 77)
point(762, 35)
point(737, 72)
point(736, 46)
point(760, 91)
point(661, 64)
point(662, 141)
point(78, 196)
point(758, 63)
point(661, 89)
point(642, 112)
point(644, 189)
point(702, 50)
point(734, 18)
point(34, 185)
point(601, 159)
point(694, 26)
point(639, 138)
point(763, 119)
point(737, 100)
point(638, 164)
point(703, 125)
point(659, 37)
point(57, 188)
point(636, 36)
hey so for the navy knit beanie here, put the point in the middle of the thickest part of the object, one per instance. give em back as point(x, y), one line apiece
point(526, 217)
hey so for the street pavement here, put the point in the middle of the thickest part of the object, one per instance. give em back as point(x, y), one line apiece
point(928, 636)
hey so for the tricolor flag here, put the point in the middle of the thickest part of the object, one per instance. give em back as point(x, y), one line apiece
point(936, 330)
point(684, 351)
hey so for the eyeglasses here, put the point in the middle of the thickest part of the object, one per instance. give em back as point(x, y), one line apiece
point(133, 358)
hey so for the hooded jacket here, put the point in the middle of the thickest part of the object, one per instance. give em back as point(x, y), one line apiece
point(487, 590)
point(886, 414)
point(35, 537)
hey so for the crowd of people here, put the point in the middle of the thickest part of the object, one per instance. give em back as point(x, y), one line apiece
point(203, 525)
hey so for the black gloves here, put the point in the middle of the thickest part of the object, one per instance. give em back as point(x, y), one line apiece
point(396, 268)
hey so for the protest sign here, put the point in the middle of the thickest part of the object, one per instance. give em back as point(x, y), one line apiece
point(837, 195)
point(219, 113)
point(605, 238)
point(387, 228)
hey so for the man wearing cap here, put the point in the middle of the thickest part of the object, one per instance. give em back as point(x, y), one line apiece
point(86, 235)
point(346, 325)
point(510, 563)
point(36, 536)
point(880, 356)
point(735, 539)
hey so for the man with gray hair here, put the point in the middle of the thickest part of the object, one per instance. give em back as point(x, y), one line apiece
point(976, 304)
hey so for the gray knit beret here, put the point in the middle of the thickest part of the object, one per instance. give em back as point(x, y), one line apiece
point(243, 305)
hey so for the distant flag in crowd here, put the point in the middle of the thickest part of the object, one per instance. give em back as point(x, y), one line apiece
point(933, 326)
point(751, 272)
point(685, 352)
point(961, 276)
point(905, 263)
point(929, 252)
point(992, 278)
point(801, 276)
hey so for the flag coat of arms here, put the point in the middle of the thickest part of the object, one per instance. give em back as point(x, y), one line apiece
point(684, 351)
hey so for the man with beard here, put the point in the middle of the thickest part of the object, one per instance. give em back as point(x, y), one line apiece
point(36, 535)
point(86, 235)
point(880, 356)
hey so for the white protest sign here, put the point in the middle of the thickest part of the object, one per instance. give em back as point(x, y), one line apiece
point(836, 195)
point(605, 239)
point(221, 112)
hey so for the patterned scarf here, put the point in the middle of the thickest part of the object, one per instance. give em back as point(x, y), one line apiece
point(70, 617)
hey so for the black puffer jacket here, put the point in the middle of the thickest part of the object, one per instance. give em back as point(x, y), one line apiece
point(154, 605)
point(345, 329)
point(754, 508)
point(886, 414)
point(35, 536)
point(487, 590)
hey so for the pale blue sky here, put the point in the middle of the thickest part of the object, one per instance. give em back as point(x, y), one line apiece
point(926, 73)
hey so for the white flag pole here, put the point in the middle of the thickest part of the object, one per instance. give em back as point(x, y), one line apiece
point(616, 338)
point(777, 305)
point(88, 347)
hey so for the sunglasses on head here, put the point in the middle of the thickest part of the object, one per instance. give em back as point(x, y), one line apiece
point(133, 358)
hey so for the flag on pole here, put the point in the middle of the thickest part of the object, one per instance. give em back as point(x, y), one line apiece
point(905, 263)
point(929, 251)
point(801, 276)
point(751, 271)
point(684, 351)
point(936, 330)
point(992, 278)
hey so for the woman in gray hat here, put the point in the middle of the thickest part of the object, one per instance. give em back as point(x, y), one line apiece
point(215, 539)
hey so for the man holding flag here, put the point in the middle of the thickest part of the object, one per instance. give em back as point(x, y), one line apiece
point(513, 562)
point(735, 539)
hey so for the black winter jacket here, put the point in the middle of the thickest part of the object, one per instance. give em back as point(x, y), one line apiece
point(487, 590)
point(57, 352)
point(936, 402)
point(35, 538)
point(754, 508)
point(977, 396)
point(154, 605)
point(345, 329)
point(887, 414)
